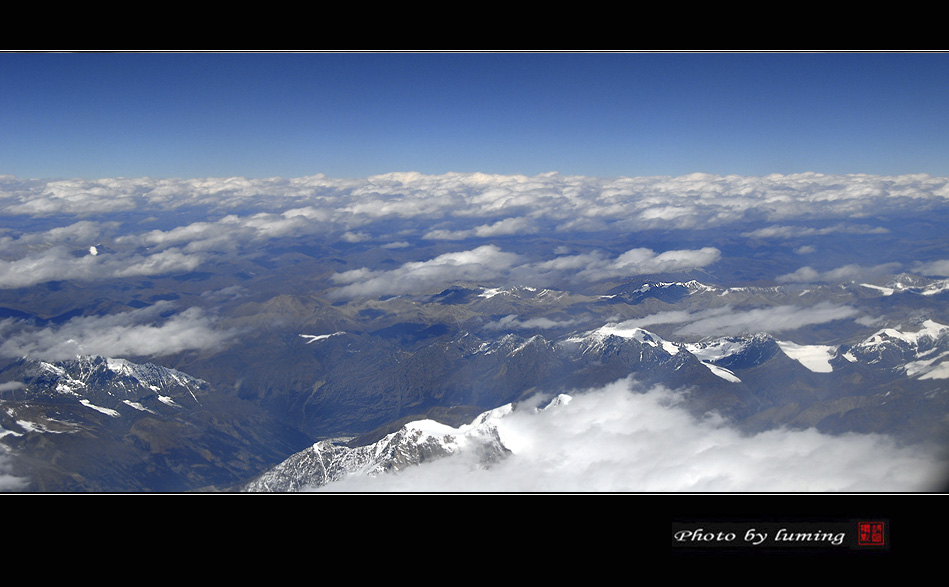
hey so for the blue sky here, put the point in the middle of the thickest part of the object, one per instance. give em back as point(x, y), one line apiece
point(98, 115)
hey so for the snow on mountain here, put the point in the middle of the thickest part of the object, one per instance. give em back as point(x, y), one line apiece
point(745, 361)
point(598, 337)
point(722, 355)
point(722, 372)
point(934, 368)
point(665, 291)
point(921, 353)
point(521, 291)
point(417, 442)
point(936, 287)
point(311, 338)
point(714, 350)
point(96, 380)
point(692, 286)
point(930, 331)
point(887, 291)
point(108, 424)
point(907, 283)
point(815, 357)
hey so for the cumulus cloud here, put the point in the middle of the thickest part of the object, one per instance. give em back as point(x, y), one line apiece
point(801, 275)
point(140, 332)
point(778, 231)
point(58, 263)
point(640, 261)
point(490, 262)
point(939, 268)
point(512, 322)
point(83, 232)
point(570, 202)
point(78, 197)
point(727, 321)
point(482, 263)
point(9, 481)
point(230, 232)
point(355, 237)
point(507, 226)
point(851, 272)
point(622, 438)
point(205, 216)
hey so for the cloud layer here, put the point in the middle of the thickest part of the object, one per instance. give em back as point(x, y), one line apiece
point(727, 321)
point(9, 481)
point(137, 333)
point(851, 272)
point(155, 226)
point(619, 439)
point(504, 204)
point(490, 263)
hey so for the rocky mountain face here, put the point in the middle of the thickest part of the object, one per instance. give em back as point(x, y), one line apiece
point(757, 381)
point(101, 424)
point(415, 443)
point(380, 385)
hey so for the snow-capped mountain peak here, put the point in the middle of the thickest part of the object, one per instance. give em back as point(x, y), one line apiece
point(416, 442)
point(929, 331)
point(922, 353)
point(102, 381)
point(623, 330)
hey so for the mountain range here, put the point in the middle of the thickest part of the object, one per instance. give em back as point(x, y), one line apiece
point(368, 400)
point(757, 381)
point(198, 335)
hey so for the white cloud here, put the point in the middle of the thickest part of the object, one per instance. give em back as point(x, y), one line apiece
point(724, 322)
point(619, 439)
point(507, 226)
point(207, 216)
point(164, 262)
point(851, 272)
point(355, 237)
point(511, 322)
point(9, 481)
point(566, 201)
point(939, 268)
point(58, 263)
point(489, 262)
point(479, 264)
point(801, 275)
point(777, 231)
point(137, 333)
point(727, 321)
point(639, 261)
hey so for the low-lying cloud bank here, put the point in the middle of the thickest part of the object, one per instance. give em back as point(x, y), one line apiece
point(939, 268)
point(682, 201)
point(851, 272)
point(156, 226)
point(727, 321)
point(9, 481)
point(137, 333)
point(489, 262)
point(59, 264)
point(623, 439)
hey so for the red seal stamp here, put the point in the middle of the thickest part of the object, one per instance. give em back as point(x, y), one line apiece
point(871, 534)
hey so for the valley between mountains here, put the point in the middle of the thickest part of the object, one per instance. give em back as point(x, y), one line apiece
point(471, 332)
point(314, 406)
